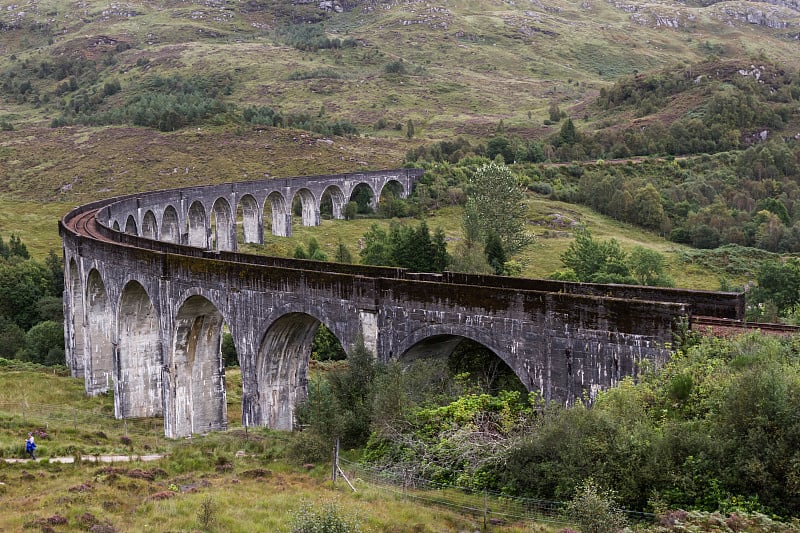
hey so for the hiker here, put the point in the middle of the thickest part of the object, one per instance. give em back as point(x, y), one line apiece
point(30, 446)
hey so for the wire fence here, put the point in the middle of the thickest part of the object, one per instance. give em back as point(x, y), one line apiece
point(493, 507)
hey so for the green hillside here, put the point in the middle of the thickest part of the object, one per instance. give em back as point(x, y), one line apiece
point(103, 99)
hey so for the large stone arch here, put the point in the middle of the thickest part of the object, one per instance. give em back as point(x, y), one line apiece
point(138, 388)
point(310, 207)
point(149, 225)
point(99, 361)
point(76, 337)
point(281, 370)
point(170, 226)
point(251, 227)
point(281, 215)
point(197, 225)
point(337, 199)
point(130, 226)
point(196, 392)
point(222, 220)
point(443, 340)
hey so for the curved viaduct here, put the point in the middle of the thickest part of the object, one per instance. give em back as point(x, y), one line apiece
point(151, 280)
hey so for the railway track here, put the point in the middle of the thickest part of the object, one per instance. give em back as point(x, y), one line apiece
point(734, 326)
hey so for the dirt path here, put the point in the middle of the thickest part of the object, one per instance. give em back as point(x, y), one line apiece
point(92, 459)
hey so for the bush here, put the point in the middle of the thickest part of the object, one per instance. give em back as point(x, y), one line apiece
point(595, 509)
point(327, 519)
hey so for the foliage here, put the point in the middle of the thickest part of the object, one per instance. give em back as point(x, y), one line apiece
point(594, 509)
point(326, 347)
point(406, 247)
point(327, 519)
point(495, 204)
point(339, 403)
point(596, 261)
point(228, 350)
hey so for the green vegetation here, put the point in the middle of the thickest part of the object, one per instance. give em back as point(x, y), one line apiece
point(713, 430)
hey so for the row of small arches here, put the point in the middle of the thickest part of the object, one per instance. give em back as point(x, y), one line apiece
point(220, 228)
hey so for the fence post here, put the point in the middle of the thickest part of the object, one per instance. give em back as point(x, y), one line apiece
point(335, 460)
point(485, 510)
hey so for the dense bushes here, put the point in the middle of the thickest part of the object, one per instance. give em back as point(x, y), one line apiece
point(714, 430)
point(31, 326)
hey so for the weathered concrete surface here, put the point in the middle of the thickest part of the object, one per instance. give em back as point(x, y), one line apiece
point(165, 305)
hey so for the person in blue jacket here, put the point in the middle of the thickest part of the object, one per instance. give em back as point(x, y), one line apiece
point(30, 446)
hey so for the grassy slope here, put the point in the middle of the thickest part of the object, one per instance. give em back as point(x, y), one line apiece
point(470, 65)
point(86, 493)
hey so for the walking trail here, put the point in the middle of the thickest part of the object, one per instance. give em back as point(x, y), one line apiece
point(91, 459)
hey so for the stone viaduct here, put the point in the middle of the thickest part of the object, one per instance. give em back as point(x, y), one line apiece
point(153, 279)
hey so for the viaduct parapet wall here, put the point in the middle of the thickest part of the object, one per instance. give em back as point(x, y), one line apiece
point(147, 300)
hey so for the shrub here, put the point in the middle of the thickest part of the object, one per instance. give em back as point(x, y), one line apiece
point(326, 519)
point(595, 510)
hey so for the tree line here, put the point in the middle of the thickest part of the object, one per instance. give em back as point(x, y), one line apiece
point(31, 311)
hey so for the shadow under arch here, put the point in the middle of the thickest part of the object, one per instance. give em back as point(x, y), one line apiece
point(76, 351)
point(138, 388)
point(247, 216)
point(277, 216)
point(130, 226)
point(196, 371)
point(170, 227)
point(223, 226)
point(486, 366)
point(99, 369)
point(282, 368)
point(197, 227)
point(309, 208)
point(332, 202)
point(149, 225)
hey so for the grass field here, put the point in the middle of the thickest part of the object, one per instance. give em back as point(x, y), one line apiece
point(201, 484)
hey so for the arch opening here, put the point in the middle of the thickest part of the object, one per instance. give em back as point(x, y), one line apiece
point(282, 368)
point(130, 226)
point(391, 203)
point(170, 227)
point(247, 218)
point(115, 226)
point(365, 199)
point(197, 371)
point(99, 370)
point(138, 388)
point(305, 205)
point(332, 203)
point(223, 235)
point(149, 226)
point(277, 216)
point(196, 225)
point(471, 360)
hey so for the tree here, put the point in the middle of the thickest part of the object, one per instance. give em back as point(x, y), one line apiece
point(647, 266)
point(495, 253)
point(229, 355)
point(496, 204)
point(343, 255)
point(45, 343)
point(596, 261)
point(647, 208)
point(410, 129)
point(377, 249)
point(778, 282)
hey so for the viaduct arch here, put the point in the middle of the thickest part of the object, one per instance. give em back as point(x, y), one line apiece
point(152, 279)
